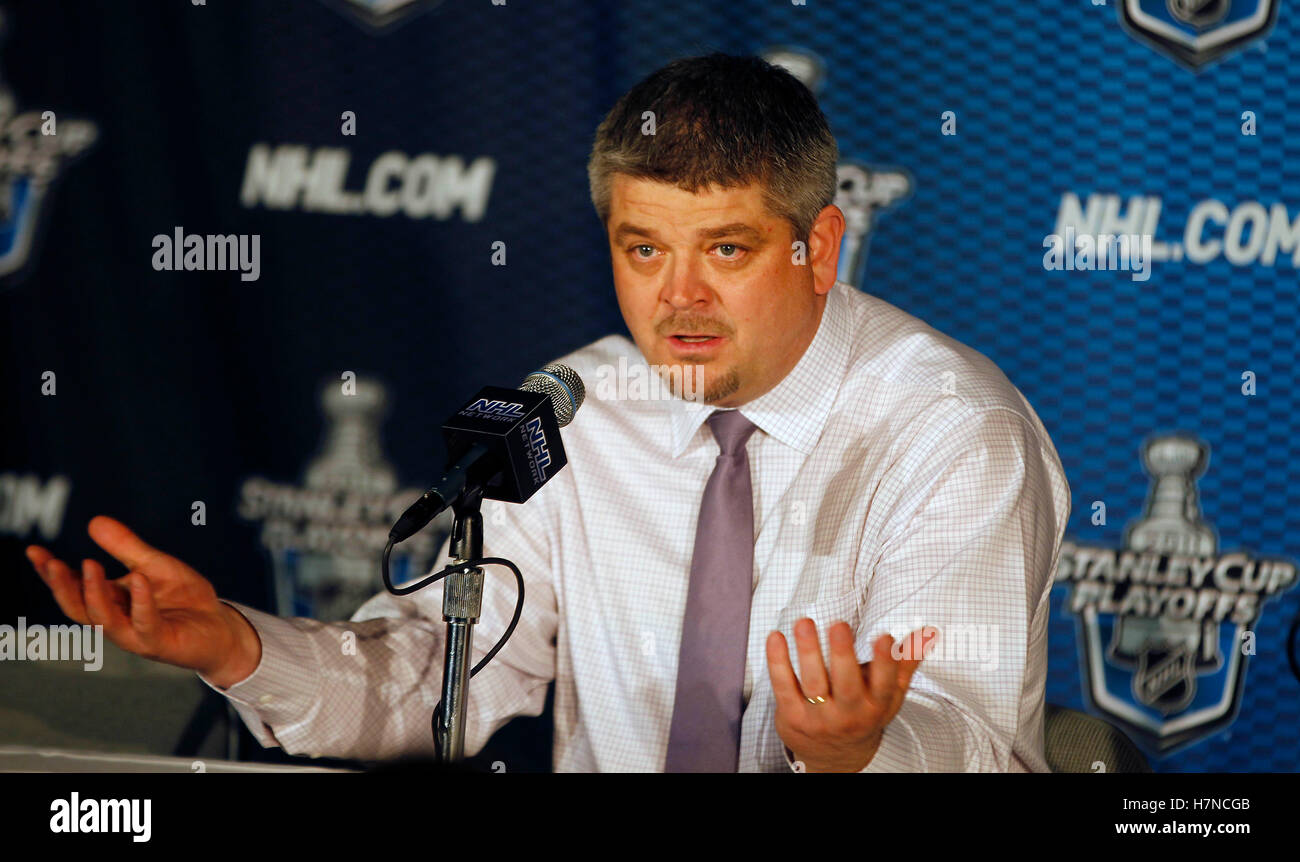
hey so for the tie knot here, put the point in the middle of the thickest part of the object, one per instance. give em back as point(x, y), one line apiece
point(731, 430)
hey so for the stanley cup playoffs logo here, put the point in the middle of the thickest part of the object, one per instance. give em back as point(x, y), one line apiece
point(325, 535)
point(1197, 32)
point(35, 147)
point(1166, 624)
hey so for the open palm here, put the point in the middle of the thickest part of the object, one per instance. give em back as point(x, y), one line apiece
point(161, 609)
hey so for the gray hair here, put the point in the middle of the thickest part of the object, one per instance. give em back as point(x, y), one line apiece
point(721, 120)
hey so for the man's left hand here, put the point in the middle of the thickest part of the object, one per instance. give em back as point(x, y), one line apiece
point(834, 722)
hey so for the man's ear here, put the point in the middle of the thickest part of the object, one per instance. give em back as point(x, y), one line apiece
point(824, 247)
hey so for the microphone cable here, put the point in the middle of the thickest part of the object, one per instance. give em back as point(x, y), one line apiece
point(451, 569)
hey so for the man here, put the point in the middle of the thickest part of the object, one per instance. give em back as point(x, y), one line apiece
point(861, 476)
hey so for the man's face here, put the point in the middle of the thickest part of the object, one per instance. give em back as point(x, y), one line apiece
point(712, 283)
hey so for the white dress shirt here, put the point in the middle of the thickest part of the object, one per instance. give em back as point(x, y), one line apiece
point(900, 480)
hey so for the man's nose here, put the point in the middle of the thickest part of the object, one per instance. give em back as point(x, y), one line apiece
point(685, 285)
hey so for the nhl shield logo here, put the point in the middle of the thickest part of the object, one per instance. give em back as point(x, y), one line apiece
point(380, 16)
point(1197, 32)
point(1166, 624)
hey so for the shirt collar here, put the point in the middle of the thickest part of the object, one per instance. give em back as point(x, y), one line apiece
point(795, 410)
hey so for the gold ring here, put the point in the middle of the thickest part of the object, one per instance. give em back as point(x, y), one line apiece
point(815, 700)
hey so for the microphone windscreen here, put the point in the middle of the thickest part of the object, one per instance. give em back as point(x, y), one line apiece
point(562, 385)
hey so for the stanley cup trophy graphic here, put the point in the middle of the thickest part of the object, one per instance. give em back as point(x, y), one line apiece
point(325, 538)
point(1172, 524)
point(1201, 14)
point(1167, 654)
point(350, 462)
point(861, 191)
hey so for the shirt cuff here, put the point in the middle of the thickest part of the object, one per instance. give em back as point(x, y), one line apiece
point(285, 685)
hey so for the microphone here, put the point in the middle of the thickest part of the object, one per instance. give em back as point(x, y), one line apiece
point(503, 443)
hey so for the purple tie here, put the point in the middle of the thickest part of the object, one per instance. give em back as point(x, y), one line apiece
point(705, 733)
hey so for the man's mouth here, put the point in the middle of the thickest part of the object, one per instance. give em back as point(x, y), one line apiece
point(693, 344)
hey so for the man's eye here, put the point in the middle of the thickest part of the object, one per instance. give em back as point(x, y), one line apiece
point(643, 251)
point(729, 250)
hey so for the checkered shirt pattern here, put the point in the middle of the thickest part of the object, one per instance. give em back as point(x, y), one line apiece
point(899, 480)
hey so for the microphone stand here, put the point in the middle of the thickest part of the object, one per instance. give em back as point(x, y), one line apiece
point(462, 600)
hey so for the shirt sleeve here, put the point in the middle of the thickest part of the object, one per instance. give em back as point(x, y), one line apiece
point(366, 689)
point(968, 546)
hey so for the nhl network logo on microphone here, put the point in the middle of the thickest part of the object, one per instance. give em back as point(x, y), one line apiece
point(539, 455)
point(488, 409)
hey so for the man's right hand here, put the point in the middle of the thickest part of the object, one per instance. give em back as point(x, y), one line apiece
point(161, 609)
